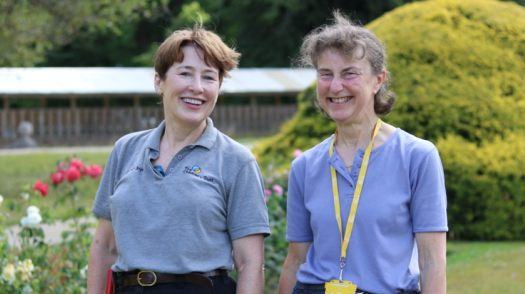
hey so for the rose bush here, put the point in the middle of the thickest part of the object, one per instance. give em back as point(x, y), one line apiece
point(30, 265)
point(275, 246)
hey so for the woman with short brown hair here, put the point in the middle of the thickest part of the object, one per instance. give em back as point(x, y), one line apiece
point(175, 202)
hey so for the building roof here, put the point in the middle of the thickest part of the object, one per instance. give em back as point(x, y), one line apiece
point(124, 81)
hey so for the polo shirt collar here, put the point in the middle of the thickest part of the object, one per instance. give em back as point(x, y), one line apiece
point(207, 140)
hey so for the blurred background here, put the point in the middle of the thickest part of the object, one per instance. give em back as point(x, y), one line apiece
point(80, 72)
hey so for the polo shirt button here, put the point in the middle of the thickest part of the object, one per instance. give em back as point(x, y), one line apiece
point(179, 157)
point(355, 174)
point(358, 165)
point(171, 169)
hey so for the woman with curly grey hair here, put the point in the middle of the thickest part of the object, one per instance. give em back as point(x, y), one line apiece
point(367, 206)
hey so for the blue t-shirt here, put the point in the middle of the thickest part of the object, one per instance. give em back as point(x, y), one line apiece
point(403, 194)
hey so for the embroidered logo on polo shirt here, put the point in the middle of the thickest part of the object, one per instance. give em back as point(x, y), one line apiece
point(195, 171)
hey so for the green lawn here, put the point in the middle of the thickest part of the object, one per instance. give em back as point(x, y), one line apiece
point(485, 267)
point(19, 170)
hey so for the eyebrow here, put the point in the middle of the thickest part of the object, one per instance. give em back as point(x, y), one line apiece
point(349, 68)
point(211, 69)
point(344, 69)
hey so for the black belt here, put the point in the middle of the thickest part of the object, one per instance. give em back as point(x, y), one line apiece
point(150, 278)
point(300, 285)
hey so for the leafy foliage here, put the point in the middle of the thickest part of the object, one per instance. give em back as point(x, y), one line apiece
point(35, 266)
point(458, 67)
point(30, 28)
point(485, 187)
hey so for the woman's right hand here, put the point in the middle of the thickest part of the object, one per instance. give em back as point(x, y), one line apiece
point(296, 256)
point(103, 255)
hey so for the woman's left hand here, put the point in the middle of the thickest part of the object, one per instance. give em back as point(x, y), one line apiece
point(248, 254)
point(432, 251)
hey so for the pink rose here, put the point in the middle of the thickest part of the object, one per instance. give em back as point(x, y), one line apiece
point(76, 163)
point(43, 188)
point(96, 170)
point(72, 174)
point(278, 189)
point(297, 152)
point(57, 178)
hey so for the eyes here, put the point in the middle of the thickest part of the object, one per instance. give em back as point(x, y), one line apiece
point(207, 76)
point(329, 75)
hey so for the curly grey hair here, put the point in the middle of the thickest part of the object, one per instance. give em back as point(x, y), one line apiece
point(346, 37)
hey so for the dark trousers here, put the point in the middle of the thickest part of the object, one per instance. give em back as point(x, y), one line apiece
point(301, 288)
point(223, 284)
point(306, 291)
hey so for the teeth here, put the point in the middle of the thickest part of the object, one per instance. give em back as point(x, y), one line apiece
point(340, 100)
point(192, 101)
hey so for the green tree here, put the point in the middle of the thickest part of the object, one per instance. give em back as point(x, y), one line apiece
point(268, 33)
point(31, 28)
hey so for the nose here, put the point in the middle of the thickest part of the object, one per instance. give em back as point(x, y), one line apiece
point(336, 86)
point(196, 85)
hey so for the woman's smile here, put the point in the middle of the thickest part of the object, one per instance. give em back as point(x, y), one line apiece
point(193, 103)
point(340, 100)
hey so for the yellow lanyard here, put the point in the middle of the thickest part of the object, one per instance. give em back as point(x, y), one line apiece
point(357, 195)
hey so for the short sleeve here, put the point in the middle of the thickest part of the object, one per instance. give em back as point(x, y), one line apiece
point(428, 206)
point(298, 217)
point(107, 187)
point(247, 211)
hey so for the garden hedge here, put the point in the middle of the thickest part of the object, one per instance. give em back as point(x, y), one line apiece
point(458, 69)
point(485, 188)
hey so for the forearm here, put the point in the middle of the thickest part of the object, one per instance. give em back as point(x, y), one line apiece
point(297, 252)
point(248, 253)
point(288, 277)
point(432, 248)
point(250, 279)
point(102, 255)
point(433, 278)
point(100, 260)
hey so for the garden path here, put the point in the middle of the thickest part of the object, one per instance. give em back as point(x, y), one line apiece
point(52, 233)
point(65, 150)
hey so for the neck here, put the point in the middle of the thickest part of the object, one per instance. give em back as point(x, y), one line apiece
point(176, 136)
point(356, 135)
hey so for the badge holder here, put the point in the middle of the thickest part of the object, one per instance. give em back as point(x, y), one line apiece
point(340, 286)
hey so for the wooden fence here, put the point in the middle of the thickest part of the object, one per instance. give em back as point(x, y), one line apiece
point(93, 126)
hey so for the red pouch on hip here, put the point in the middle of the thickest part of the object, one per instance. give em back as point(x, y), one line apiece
point(109, 282)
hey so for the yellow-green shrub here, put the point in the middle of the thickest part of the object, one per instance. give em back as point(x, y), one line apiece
point(458, 67)
point(485, 187)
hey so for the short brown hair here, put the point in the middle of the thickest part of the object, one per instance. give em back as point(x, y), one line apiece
point(216, 53)
point(345, 36)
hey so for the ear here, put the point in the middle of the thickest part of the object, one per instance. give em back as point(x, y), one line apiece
point(158, 83)
point(379, 80)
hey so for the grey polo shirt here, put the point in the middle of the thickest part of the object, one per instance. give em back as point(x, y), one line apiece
point(212, 193)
